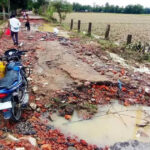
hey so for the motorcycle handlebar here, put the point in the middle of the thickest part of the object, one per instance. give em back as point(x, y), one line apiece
point(15, 56)
point(17, 50)
point(22, 52)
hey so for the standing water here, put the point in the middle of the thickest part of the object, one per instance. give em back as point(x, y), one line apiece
point(113, 123)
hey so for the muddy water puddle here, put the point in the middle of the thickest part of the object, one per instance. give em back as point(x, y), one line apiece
point(113, 123)
point(46, 28)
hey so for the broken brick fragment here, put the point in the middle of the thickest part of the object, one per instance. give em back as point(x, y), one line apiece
point(67, 117)
point(46, 147)
point(83, 142)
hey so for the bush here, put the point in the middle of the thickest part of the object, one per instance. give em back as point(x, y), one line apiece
point(62, 7)
point(146, 57)
point(40, 11)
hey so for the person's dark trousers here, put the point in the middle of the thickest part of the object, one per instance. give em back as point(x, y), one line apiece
point(28, 26)
point(14, 36)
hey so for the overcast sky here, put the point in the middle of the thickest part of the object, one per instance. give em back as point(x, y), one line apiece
point(145, 3)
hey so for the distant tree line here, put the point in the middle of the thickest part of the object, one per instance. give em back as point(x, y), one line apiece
point(130, 9)
point(36, 4)
point(47, 6)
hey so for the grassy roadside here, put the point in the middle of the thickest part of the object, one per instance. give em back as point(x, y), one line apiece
point(129, 52)
point(1, 32)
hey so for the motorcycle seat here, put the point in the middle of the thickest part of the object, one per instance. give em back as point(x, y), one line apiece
point(10, 77)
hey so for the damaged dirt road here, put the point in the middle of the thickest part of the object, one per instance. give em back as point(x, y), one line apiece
point(81, 97)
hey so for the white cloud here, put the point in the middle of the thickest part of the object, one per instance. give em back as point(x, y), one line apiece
point(145, 3)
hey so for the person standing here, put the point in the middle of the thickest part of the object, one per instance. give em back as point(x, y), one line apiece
point(14, 25)
point(27, 24)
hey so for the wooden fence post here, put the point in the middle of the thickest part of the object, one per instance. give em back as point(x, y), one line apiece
point(79, 25)
point(129, 39)
point(107, 32)
point(71, 25)
point(90, 29)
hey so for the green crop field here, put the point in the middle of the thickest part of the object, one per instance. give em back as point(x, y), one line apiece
point(121, 25)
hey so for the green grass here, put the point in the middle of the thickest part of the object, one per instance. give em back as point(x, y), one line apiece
point(107, 45)
point(1, 33)
point(1, 22)
point(90, 107)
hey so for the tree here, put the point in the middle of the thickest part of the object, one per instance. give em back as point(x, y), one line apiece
point(106, 8)
point(134, 9)
point(130, 9)
point(77, 7)
point(49, 13)
point(97, 8)
point(18, 4)
point(147, 11)
point(138, 9)
point(30, 4)
point(39, 3)
point(38, 6)
point(62, 8)
point(3, 4)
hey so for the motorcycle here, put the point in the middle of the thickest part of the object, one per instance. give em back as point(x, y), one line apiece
point(14, 86)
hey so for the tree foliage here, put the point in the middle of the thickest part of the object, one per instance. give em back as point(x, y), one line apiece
point(3, 2)
point(39, 3)
point(39, 6)
point(62, 7)
point(130, 9)
point(134, 9)
point(26, 4)
point(18, 4)
point(30, 4)
point(49, 12)
point(3, 5)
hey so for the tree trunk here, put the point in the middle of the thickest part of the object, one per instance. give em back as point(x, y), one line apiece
point(4, 15)
point(60, 17)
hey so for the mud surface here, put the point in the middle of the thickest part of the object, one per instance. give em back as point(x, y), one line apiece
point(131, 145)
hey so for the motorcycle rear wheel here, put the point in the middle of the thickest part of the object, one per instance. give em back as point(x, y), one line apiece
point(16, 110)
point(18, 100)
